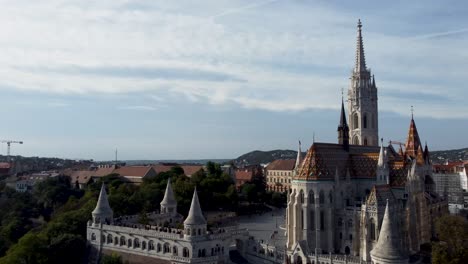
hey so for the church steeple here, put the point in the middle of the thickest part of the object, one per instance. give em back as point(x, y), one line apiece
point(343, 129)
point(362, 100)
point(413, 143)
point(360, 58)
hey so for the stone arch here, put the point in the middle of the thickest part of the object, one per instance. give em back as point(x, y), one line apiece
point(347, 250)
point(151, 245)
point(136, 243)
point(298, 260)
point(159, 247)
point(355, 140)
point(174, 251)
point(122, 241)
point(186, 252)
point(93, 236)
point(116, 240)
point(129, 242)
point(143, 245)
point(167, 248)
point(109, 239)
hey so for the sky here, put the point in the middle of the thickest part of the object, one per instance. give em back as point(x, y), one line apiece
point(217, 78)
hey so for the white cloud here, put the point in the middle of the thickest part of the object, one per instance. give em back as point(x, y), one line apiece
point(237, 57)
point(139, 107)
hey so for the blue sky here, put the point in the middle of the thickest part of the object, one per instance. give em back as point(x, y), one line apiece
point(216, 79)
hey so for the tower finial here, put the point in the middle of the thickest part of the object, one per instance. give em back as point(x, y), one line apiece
point(412, 112)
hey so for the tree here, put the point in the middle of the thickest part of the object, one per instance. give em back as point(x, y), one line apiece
point(453, 245)
point(111, 259)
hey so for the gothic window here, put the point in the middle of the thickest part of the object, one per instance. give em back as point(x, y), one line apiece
point(159, 247)
point(356, 140)
point(311, 197)
point(116, 241)
point(186, 252)
point(143, 245)
point(129, 243)
point(302, 218)
point(365, 141)
point(321, 197)
point(365, 121)
point(122, 241)
point(301, 195)
point(372, 229)
point(109, 239)
point(351, 237)
point(355, 121)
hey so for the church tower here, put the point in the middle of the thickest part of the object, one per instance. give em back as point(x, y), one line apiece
point(169, 203)
point(362, 101)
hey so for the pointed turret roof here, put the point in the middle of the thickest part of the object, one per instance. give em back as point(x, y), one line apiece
point(427, 156)
point(413, 142)
point(360, 58)
point(195, 215)
point(389, 245)
point(343, 122)
point(382, 162)
point(169, 198)
point(102, 207)
point(299, 157)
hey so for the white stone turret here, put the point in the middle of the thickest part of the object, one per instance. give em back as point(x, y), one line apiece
point(389, 247)
point(383, 172)
point(103, 213)
point(169, 203)
point(195, 224)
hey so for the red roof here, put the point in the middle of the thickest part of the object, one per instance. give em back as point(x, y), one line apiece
point(4, 165)
point(245, 175)
point(287, 164)
point(189, 170)
point(162, 168)
point(133, 171)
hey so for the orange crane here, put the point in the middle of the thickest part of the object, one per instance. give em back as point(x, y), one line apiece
point(9, 142)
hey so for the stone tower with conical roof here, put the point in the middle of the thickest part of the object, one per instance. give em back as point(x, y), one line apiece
point(389, 248)
point(195, 223)
point(103, 213)
point(169, 203)
point(362, 100)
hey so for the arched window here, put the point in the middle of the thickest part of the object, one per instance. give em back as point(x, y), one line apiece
point(122, 241)
point(151, 245)
point(301, 196)
point(109, 239)
point(167, 248)
point(136, 243)
point(186, 253)
point(93, 236)
point(311, 197)
point(129, 242)
point(116, 240)
point(356, 140)
point(365, 121)
point(174, 251)
point(356, 121)
point(372, 229)
point(143, 245)
point(159, 247)
point(321, 197)
point(312, 220)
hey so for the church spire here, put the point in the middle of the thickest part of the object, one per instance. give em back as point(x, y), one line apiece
point(360, 58)
point(413, 143)
point(389, 247)
point(343, 129)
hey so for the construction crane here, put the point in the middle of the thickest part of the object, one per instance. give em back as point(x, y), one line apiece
point(9, 142)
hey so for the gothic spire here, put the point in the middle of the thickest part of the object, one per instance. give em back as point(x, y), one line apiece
point(389, 245)
point(103, 208)
point(427, 156)
point(360, 58)
point(343, 129)
point(413, 142)
point(298, 158)
point(195, 215)
point(169, 199)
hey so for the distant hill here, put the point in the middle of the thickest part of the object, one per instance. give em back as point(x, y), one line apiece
point(451, 155)
point(263, 157)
